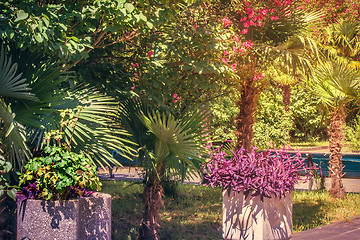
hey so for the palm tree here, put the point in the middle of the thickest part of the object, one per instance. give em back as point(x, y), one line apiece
point(337, 84)
point(167, 146)
point(268, 35)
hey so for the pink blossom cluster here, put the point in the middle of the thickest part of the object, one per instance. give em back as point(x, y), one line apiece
point(176, 98)
point(258, 77)
point(252, 17)
point(226, 22)
point(248, 44)
point(255, 17)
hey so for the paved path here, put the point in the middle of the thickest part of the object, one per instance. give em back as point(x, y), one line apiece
point(343, 230)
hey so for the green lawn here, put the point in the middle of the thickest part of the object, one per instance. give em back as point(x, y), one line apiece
point(195, 211)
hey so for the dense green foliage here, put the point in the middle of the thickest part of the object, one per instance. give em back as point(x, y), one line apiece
point(181, 67)
point(273, 124)
point(353, 134)
point(310, 119)
point(224, 111)
point(5, 187)
point(70, 29)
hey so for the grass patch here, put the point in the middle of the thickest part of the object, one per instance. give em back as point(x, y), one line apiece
point(313, 209)
point(195, 211)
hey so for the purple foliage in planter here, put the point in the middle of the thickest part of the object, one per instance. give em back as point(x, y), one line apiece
point(31, 191)
point(265, 173)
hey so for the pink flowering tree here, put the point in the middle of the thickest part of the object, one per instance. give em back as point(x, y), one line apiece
point(255, 35)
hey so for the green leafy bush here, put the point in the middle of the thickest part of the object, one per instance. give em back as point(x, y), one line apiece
point(5, 168)
point(60, 174)
point(353, 134)
point(273, 123)
point(310, 122)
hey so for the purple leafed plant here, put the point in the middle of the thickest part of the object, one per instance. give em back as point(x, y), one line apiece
point(31, 191)
point(264, 174)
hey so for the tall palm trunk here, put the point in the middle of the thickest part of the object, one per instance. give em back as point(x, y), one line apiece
point(335, 163)
point(153, 192)
point(150, 222)
point(245, 119)
point(286, 90)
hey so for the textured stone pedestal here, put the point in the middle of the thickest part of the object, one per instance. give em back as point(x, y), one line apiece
point(80, 219)
point(256, 220)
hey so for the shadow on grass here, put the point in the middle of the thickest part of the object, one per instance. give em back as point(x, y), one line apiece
point(195, 212)
point(181, 231)
point(307, 215)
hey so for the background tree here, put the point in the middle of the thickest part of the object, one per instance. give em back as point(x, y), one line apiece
point(310, 124)
point(336, 84)
point(256, 35)
point(336, 81)
point(71, 30)
point(273, 122)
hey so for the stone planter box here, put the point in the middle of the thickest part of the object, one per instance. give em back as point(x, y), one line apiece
point(83, 218)
point(254, 219)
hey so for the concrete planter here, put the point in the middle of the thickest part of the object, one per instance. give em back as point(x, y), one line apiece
point(254, 219)
point(83, 218)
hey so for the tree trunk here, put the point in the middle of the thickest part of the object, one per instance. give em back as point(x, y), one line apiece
point(286, 90)
point(245, 119)
point(335, 163)
point(149, 229)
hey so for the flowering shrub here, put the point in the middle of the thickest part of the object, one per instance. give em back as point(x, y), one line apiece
point(266, 173)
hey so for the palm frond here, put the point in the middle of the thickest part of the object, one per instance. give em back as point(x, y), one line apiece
point(342, 40)
point(13, 136)
point(180, 142)
point(97, 130)
point(336, 83)
point(11, 83)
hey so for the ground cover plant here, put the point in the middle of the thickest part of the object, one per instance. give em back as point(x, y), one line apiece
point(194, 212)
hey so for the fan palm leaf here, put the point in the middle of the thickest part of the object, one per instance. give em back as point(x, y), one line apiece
point(96, 132)
point(342, 41)
point(12, 133)
point(336, 83)
point(97, 127)
point(174, 142)
point(13, 136)
point(11, 83)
